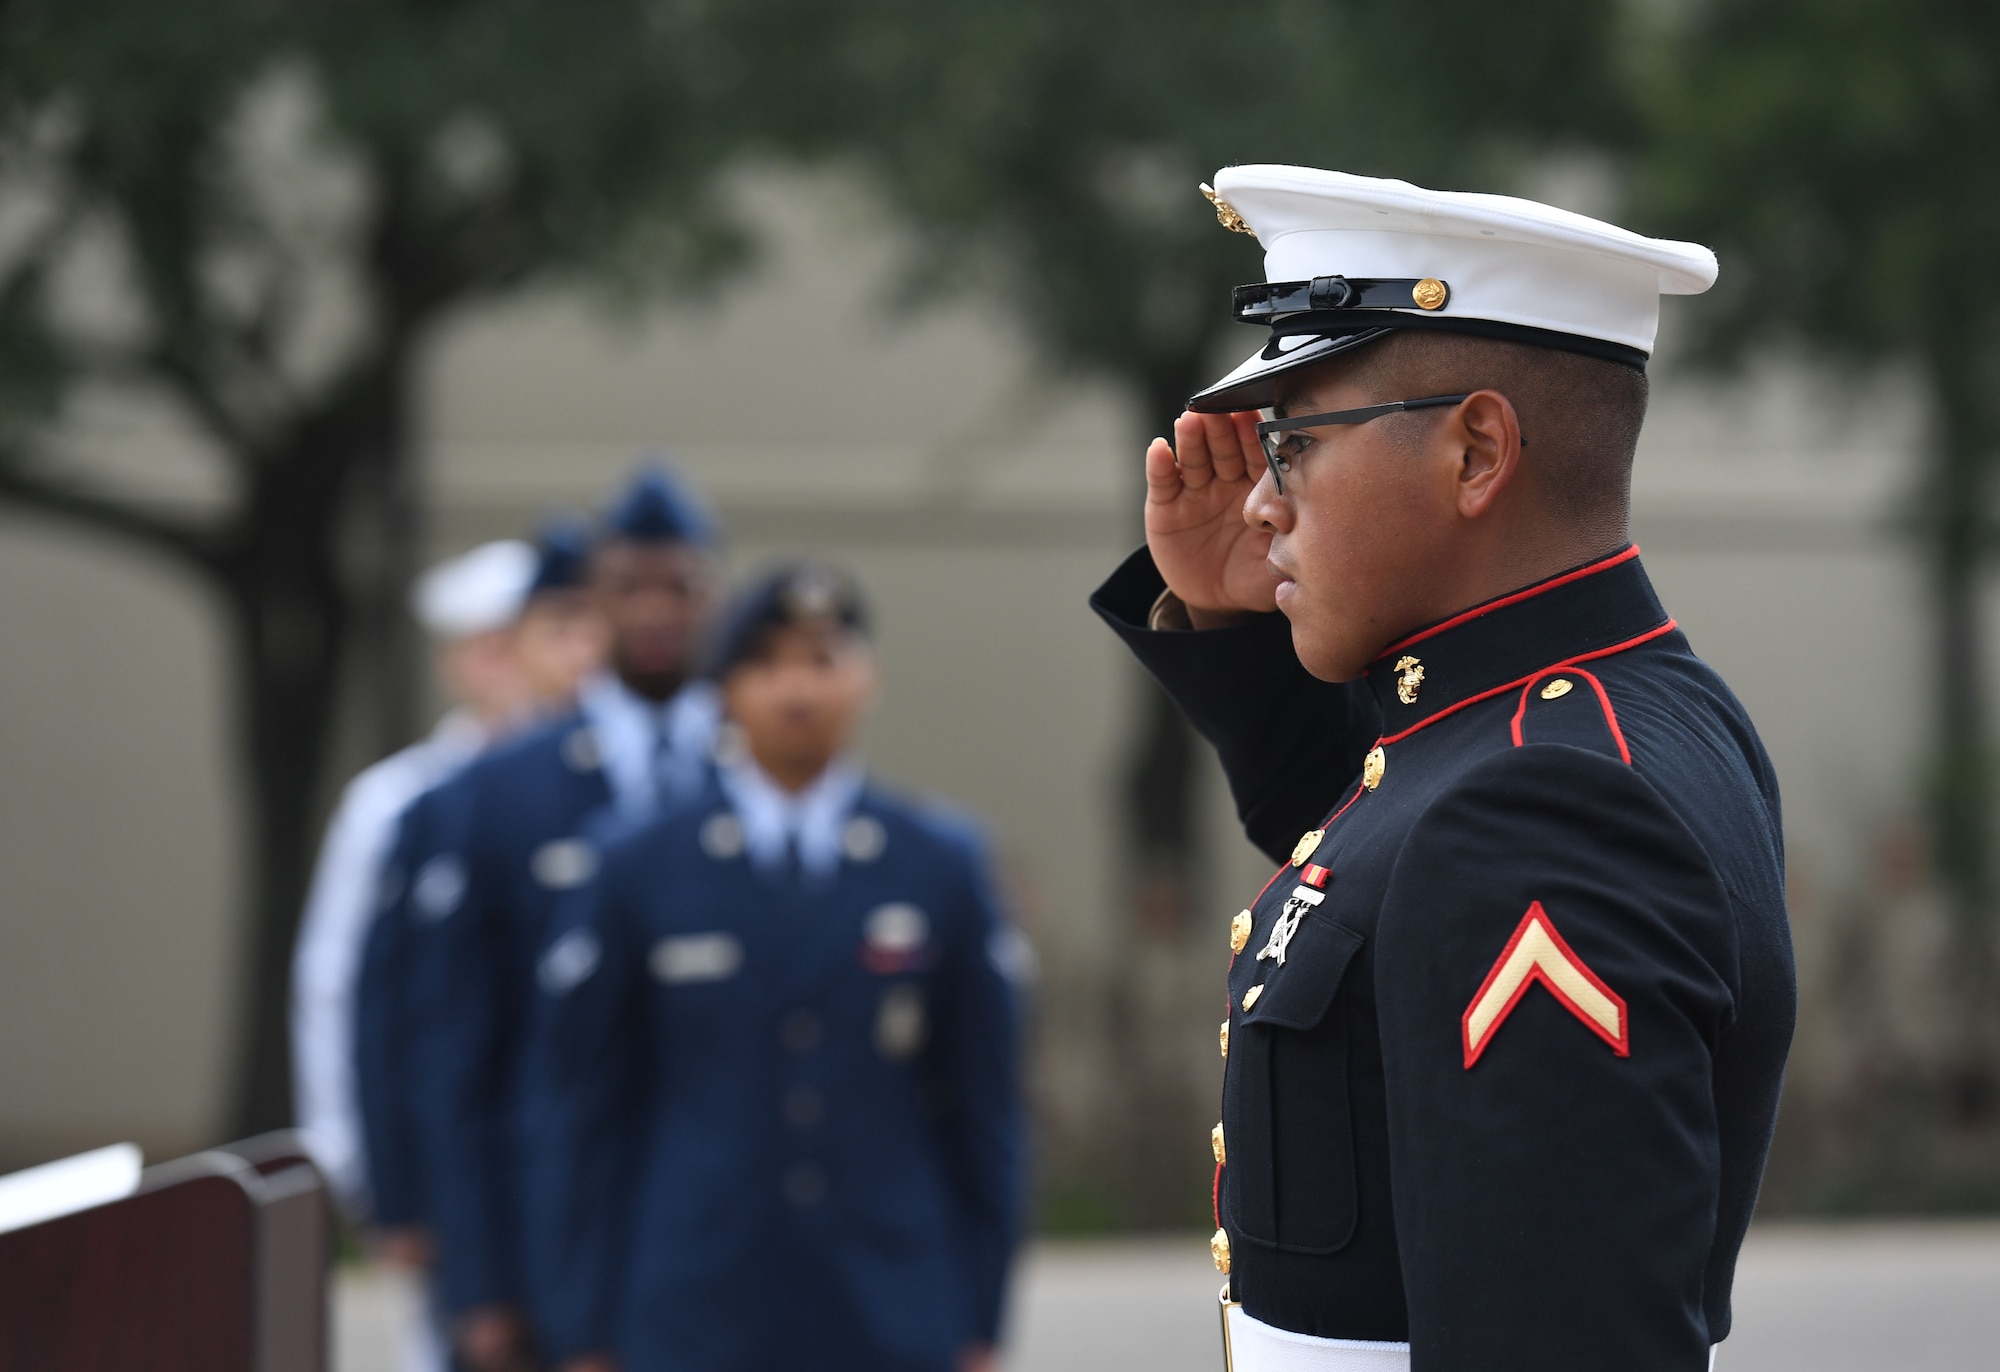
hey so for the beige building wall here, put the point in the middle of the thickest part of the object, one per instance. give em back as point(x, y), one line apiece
point(979, 495)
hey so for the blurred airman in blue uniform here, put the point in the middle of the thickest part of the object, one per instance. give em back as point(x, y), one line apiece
point(557, 639)
point(509, 840)
point(470, 605)
point(776, 1068)
point(513, 638)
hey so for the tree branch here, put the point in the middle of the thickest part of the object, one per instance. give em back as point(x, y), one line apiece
point(197, 391)
point(185, 541)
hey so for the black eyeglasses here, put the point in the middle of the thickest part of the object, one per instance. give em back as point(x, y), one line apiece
point(1279, 453)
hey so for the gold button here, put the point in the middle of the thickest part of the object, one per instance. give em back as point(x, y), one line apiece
point(1218, 1248)
point(1556, 689)
point(1225, 1038)
point(1215, 1145)
point(1239, 931)
point(1430, 293)
point(1372, 767)
point(1250, 996)
point(1303, 849)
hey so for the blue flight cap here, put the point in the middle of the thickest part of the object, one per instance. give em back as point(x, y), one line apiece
point(562, 555)
point(801, 594)
point(656, 507)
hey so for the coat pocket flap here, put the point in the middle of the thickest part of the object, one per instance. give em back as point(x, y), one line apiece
point(1297, 993)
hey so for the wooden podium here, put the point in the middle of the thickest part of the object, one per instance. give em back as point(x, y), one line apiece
point(216, 1263)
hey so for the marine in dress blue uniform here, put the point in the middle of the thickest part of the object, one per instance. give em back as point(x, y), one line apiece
point(1506, 1029)
point(778, 1067)
point(639, 738)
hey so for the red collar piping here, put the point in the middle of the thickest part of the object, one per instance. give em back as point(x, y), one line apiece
point(1456, 706)
point(1630, 551)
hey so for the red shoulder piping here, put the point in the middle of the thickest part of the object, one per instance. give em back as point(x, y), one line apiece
point(1604, 700)
point(1501, 689)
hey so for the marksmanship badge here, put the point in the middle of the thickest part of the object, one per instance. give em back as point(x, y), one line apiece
point(1303, 898)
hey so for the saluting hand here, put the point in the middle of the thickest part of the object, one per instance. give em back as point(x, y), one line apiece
point(1195, 491)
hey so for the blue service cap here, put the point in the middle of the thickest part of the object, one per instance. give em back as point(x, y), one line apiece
point(562, 555)
point(799, 594)
point(657, 507)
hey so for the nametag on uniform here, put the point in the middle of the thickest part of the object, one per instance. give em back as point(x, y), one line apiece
point(686, 958)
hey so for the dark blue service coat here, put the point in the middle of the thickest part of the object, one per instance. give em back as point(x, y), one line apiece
point(423, 885)
point(782, 1118)
point(1507, 1028)
point(519, 815)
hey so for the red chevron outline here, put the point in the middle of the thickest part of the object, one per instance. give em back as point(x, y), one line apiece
point(1621, 1042)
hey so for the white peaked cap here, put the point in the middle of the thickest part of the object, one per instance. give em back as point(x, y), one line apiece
point(475, 592)
point(1509, 268)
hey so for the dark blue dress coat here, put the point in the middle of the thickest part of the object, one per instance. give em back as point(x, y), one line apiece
point(423, 885)
point(1507, 1027)
point(781, 1117)
point(518, 817)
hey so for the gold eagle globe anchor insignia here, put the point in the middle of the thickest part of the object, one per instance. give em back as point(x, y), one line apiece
point(1225, 213)
point(1409, 679)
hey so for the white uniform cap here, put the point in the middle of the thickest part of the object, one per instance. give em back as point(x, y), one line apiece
point(475, 592)
point(1368, 256)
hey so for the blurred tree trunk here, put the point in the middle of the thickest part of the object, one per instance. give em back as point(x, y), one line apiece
point(305, 615)
point(1158, 1132)
point(290, 641)
point(274, 570)
point(1962, 799)
point(1161, 807)
point(388, 519)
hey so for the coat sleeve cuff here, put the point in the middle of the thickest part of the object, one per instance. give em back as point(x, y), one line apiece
point(1203, 669)
point(1287, 741)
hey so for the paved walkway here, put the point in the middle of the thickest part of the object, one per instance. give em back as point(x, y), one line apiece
point(1809, 1298)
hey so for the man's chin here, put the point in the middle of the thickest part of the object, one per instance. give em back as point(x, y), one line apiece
point(1327, 662)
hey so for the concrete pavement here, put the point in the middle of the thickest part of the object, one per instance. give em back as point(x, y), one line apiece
point(1809, 1298)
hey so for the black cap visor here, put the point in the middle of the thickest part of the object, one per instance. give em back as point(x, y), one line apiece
point(1304, 340)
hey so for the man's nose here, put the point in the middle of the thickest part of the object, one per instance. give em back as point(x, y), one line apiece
point(1265, 508)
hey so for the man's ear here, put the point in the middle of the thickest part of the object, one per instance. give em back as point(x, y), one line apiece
point(1487, 433)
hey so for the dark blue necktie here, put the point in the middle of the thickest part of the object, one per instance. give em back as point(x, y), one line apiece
point(793, 868)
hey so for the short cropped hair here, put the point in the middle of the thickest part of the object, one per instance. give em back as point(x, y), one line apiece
point(1581, 415)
